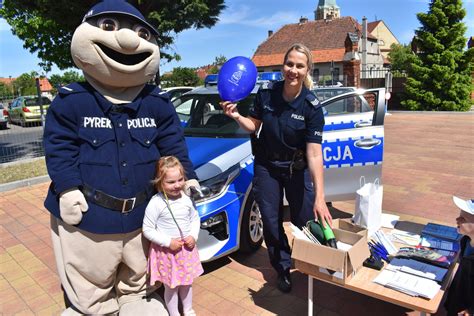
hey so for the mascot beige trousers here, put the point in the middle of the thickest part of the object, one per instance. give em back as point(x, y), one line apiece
point(100, 272)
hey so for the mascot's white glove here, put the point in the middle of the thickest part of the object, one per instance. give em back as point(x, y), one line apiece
point(72, 204)
point(192, 183)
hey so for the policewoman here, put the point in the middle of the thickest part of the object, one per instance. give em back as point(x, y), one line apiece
point(289, 122)
point(102, 139)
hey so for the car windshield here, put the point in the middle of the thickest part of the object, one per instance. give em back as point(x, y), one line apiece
point(35, 101)
point(202, 116)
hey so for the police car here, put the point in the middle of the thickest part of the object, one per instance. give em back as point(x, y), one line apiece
point(221, 153)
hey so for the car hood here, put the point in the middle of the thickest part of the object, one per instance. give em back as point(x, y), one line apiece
point(211, 156)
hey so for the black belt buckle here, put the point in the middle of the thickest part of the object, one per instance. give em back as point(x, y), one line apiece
point(126, 203)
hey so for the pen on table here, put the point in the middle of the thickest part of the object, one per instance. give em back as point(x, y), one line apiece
point(376, 249)
point(380, 247)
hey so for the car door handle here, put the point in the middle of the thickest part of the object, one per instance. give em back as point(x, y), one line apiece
point(367, 143)
point(363, 124)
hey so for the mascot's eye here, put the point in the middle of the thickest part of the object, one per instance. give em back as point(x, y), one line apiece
point(108, 24)
point(142, 31)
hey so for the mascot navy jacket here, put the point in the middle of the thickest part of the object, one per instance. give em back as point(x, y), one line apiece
point(91, 142)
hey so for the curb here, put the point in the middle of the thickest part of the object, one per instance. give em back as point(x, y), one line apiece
point(23, 183)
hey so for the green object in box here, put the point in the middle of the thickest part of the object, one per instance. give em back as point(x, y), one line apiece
point(316, 230)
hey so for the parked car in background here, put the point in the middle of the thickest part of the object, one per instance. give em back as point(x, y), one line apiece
point(175, 92)
point(222, 156)
point(3, 116)
point(211, 80)
point(269, 76)
point(25, 110)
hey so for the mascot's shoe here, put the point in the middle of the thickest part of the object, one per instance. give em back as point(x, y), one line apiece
point(152, 305)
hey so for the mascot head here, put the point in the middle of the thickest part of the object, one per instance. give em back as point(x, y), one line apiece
point(116, 49)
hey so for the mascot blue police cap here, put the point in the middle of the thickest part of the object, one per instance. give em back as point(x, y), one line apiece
point(117, 7)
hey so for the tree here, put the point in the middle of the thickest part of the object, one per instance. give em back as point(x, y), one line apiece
point(216, 65)
point(181, 76)
point(401, 57)
point(25, 84)
point(5, 91)
point(67, 78)
point(439, 77)
point(46, 26)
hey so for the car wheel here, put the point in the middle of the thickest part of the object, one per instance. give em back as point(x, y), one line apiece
point(251, 230)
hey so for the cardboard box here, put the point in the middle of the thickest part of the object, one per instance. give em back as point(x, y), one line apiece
point(309, 257)
point(347, 224)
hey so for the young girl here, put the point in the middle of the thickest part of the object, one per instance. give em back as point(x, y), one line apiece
point(172, 225)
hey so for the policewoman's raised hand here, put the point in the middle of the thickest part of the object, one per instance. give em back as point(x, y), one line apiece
point(72, 204)
point(230, 109)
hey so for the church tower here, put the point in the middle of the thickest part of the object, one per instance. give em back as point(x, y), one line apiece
point(327, 10)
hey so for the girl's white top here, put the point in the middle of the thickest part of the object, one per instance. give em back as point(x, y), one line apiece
point(158, 224)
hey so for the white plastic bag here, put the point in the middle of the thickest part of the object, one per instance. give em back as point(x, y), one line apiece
point(368, 206)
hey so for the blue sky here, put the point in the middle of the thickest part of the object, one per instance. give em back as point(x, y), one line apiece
point(243, 25)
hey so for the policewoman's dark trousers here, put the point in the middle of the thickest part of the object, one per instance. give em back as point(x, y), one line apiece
point(268, 185)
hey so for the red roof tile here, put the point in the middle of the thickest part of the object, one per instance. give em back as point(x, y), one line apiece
point(7, 80)
point(319, 56)
point(372, 25)
point(324, 38)
point(44, 83)
point(45, 86)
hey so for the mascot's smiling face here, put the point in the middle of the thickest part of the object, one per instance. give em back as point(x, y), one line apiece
point(116, 49)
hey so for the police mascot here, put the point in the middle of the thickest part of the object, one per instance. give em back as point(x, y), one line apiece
point(102, 139)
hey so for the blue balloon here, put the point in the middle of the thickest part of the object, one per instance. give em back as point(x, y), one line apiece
point(237, 78)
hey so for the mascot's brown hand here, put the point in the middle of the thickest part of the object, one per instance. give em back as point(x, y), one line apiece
point(191, 183)
point(72, 204)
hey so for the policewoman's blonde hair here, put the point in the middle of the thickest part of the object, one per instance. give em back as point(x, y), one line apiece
point(162, 165)
point(308, 80)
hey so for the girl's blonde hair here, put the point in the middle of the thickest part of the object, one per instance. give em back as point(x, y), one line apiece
point(308, 80)
point(162, 165)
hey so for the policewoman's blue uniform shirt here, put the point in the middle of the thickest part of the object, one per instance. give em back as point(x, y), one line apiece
point(112, 148)
point(286, 125)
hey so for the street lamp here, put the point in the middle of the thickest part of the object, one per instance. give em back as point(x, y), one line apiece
point(13, 88)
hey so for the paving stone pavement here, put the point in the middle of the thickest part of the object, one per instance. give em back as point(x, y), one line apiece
point(428, 157)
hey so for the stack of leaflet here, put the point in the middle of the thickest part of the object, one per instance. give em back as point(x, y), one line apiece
point(441, 237)
point(441, 231)
point(418, 268)
point(430, 256)
point(408, 283)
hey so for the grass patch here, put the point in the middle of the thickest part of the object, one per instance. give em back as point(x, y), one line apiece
point(22, 170)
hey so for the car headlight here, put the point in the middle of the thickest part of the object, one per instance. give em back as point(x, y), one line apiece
point(214, 187)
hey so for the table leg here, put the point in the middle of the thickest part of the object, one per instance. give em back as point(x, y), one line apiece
point(310, 295)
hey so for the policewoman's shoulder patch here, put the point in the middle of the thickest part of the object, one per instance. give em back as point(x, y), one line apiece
point(313, 100)
point(267, 85)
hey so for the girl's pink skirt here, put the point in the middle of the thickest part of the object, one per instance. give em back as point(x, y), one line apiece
point(173, 268)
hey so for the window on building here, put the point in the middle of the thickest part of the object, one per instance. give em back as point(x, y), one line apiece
point(335, 74)
point(316, 74)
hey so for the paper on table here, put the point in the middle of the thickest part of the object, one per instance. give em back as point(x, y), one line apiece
point(408, 283)
point(415, 267)
point(389, 220)
point(404, 237)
